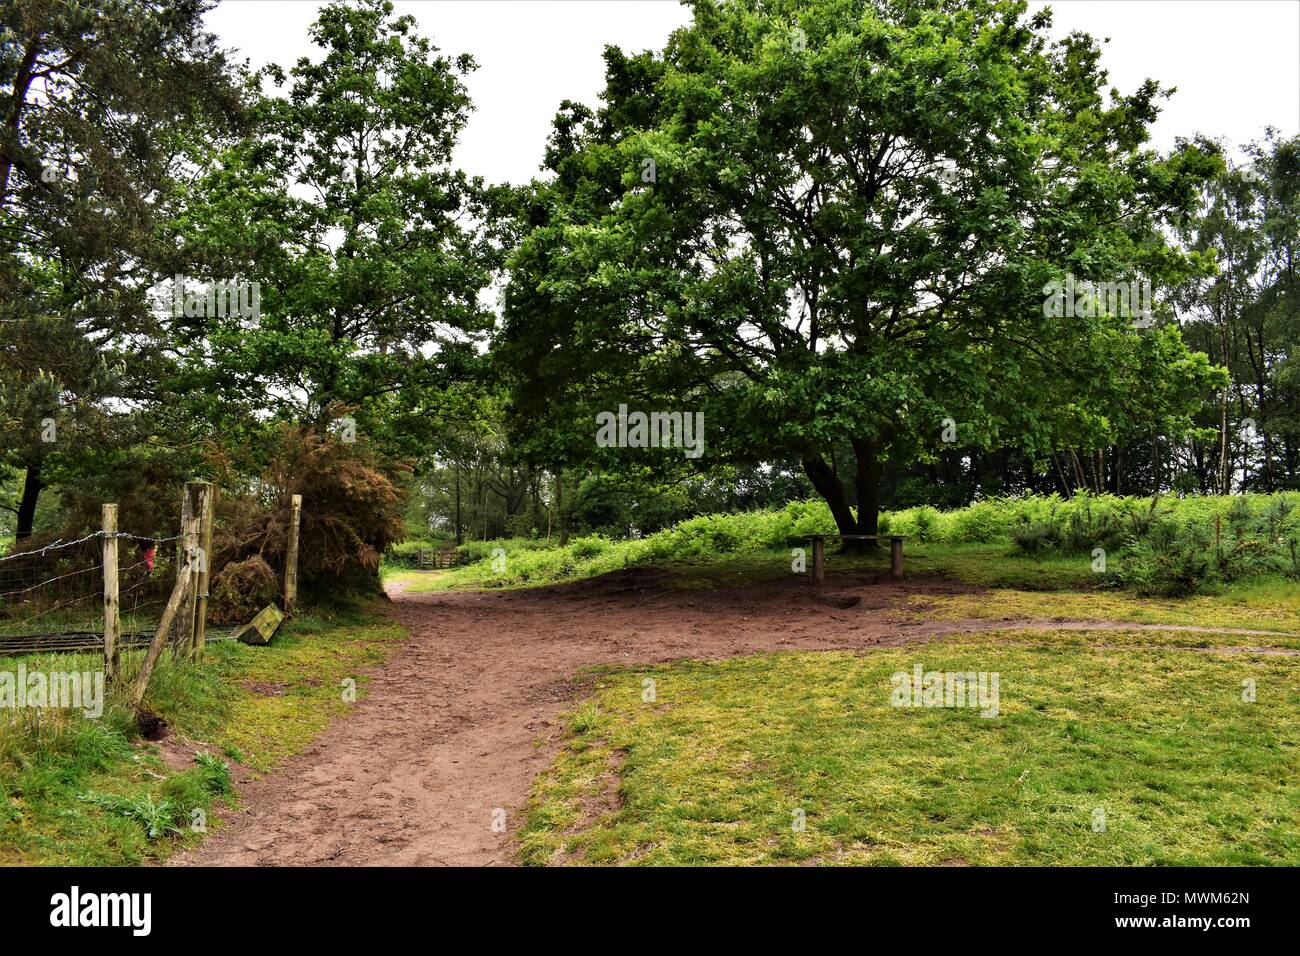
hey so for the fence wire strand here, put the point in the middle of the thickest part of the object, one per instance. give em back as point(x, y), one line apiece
point(53, 546)
point(56, 594)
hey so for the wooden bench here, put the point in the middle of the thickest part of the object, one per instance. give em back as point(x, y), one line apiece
point(819, 551)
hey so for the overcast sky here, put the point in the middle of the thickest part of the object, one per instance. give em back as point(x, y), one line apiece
point(1236, 63)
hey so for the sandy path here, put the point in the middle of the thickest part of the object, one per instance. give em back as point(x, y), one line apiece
point(461, 718)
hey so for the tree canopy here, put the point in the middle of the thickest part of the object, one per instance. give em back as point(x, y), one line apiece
point(833, 221)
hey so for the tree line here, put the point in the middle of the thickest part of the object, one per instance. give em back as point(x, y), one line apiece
point(829, 226)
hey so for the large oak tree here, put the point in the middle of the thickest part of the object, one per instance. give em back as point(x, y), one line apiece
point(830, 223)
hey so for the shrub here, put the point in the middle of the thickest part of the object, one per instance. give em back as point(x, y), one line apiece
point(981, 522)
point(1256, 535)
point(925, 521)
point(589, 546)
point(1035, 537)
point(241, 589)
point(1177, 558)
point(1172, 561)
point(351, 511)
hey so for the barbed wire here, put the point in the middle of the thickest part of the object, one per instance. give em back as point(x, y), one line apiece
point(56, 545)
point(51, 547)
point(142, 537)
point(78, 633)
point(57, 577)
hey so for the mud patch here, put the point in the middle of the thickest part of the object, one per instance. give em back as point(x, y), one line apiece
point(152, 727)
point(174, 754)
point(262, 689)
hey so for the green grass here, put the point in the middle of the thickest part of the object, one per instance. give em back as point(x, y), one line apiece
point(1012, 585)
point(716, 769)
point(1271, 605)
point(992, 565)
point(973, 544)
point(78, 791)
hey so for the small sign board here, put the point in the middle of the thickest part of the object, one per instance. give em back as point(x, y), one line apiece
point(260, 628)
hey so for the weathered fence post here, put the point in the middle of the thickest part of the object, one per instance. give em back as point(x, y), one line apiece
point(112, 623)
point(208, 503)
point(185, 622)
point(179, 633)
point(193, 559)
point(159, 639)
point(182, 565)
point(291, 557)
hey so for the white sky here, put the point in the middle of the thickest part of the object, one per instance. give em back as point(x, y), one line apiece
point(1235, 63)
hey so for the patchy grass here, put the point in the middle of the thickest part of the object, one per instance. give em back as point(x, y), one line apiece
point(1121, 638)
point(990, 565)
point(1266, 606)
point(89, 792)
point(417, 582)
point(719, 768)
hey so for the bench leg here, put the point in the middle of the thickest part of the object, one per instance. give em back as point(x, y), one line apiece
point(819, 561)
point(895, 559)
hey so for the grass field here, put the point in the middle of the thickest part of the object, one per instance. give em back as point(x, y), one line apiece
point(1012, 586)
point(993, 564)
point(77, 791)
point(1135, 754)
point(1111, 747)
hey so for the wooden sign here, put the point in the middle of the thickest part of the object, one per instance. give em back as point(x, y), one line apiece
point(260, 628)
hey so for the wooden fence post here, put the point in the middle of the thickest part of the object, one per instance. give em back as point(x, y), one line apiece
point(159, 639)
point(190, 569)
point(112, 623)
point(185, 622)
point(182, 565)
point(207, 504)
point(291, 557)
point(180, 633)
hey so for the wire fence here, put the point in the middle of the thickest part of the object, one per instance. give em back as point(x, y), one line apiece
point(52, 596)
point(114, 591)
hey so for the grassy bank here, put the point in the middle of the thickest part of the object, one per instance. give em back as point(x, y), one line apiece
point(992, 565)
point(1044, 543)
point(1011, 586)
point(81, 791)
point(1137, 754)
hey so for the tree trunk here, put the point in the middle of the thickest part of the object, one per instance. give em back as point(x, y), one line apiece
point(560, 516)
point(1225, 474)
point(867, 484)
point(27, 506)
point(460, 528)
point(828, 486)
point(13, 122)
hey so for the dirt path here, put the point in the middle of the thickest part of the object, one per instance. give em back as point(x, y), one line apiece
point(460, 719)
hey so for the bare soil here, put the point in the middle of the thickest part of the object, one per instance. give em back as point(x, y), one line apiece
point(459, 721)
